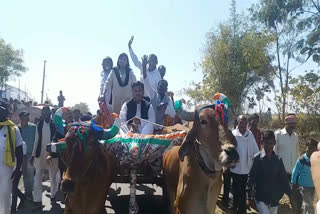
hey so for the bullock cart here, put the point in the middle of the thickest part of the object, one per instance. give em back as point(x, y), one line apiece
point(138, 159)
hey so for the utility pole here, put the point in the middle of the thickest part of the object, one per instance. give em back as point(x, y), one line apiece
point(44, 74)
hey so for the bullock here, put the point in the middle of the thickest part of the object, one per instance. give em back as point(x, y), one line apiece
point(89, 172)
point(193, 171)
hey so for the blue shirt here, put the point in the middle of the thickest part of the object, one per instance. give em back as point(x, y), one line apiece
point(301, 174)
point(28, 134)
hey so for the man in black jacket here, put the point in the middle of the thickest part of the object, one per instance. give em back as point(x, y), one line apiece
point(138, 113)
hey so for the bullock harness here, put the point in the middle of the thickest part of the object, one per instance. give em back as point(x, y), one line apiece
point(201, 162)
point(82, 135)
point(220, 113)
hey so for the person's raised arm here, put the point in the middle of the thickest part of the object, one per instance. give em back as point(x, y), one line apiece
point(133, 56)
point(144, 66)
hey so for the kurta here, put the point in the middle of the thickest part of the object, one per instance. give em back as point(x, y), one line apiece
point(287, 148)
point(120, 94)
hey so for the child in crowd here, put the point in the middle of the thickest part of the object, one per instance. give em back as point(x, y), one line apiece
point(302, 180)
point(268, 180)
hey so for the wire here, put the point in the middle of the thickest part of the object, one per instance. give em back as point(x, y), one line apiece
point(143, 120)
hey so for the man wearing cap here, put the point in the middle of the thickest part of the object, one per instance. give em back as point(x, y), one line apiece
point(287, 146)
point(28, 133)
point(11, 155)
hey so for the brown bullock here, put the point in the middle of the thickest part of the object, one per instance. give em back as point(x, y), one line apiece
point(88, 176)
point(193, 171)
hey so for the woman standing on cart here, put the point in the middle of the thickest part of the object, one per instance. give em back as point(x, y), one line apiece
point(119, 84)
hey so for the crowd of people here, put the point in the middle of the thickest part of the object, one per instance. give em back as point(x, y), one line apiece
point(143, 107)
point(270, 164)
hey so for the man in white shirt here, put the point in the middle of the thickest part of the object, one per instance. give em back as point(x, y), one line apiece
point(162, 104)
point(42, 160)
point(247, 148)
point(11, 155)
point(137, 114)
point(287, 146)
point(151, 76)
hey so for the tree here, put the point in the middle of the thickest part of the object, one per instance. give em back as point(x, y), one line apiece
point(11, 62)
point(83, 107)
point(307, 16)
point(305, 100)
point(272, 17)
point(235, 59)
point(260, 92)
point(305, 92)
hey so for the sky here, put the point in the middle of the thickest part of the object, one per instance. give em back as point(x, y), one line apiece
point(74, 36)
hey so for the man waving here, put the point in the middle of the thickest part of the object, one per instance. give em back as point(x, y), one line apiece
point(151, 76)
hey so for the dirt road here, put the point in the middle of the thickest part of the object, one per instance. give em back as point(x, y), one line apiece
point(149, 199)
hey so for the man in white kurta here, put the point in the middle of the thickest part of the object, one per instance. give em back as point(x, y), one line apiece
point(7, 171)
point(287, 146)
point(152, 75)
point(41, 161)
point(246, 148)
